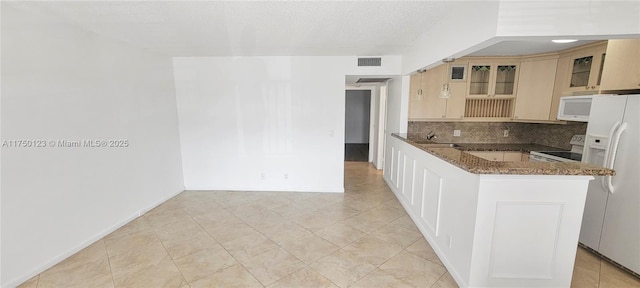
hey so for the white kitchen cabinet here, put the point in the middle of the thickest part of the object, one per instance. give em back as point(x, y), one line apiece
point(621, 71)
point(490, 230)
point(535, 89)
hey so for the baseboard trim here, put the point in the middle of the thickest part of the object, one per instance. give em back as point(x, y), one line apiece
point(87, 243)
point(253, 189)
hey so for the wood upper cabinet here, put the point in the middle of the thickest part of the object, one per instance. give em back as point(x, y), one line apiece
point(535, 88)
point(525, 88)
point(492, 78)
point(416, 95)
point(621, 71)
point(456, 101)
point(562, 70)
point(586, 69)
point(430, 104)
point(433, 106)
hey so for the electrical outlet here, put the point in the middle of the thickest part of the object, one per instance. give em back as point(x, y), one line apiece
point(263, 176)
point(286, 176)
point(456, 133)
point(505, 133)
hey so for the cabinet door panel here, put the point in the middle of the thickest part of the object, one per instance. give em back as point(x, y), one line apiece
point(585, 69)
point(505, 80)
point(432, 81)
point(457, 100)
point(562, 71)
point(581, 71)
point(535, 89)
point(416, 96)
point(512, 156)
point(489, 155)
point(622, 67)
point(479, 78)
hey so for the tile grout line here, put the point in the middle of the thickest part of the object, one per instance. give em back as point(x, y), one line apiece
point(113, 281)
point(221, 246)
point(165, 248)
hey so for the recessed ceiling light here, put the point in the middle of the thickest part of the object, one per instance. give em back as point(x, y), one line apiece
point(564, 40)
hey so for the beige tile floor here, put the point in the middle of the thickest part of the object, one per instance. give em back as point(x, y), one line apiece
point(362, 238)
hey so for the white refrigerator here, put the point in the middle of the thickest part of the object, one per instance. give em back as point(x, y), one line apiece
point(611, 221)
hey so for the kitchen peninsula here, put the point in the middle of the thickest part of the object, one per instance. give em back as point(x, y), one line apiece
point(493, 224)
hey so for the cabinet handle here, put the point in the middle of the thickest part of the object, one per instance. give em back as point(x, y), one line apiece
point(586, 88)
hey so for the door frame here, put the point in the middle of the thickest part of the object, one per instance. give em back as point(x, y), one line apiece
point(376, 144)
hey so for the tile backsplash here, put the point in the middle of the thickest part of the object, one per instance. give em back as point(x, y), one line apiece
point(555, 135)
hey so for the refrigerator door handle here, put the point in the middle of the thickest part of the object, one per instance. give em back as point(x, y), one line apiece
point(612, 155)
point(607, 155)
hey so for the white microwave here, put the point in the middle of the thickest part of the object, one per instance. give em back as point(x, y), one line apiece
point(575, 108)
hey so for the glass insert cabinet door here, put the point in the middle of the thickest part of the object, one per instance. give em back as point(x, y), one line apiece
point(581, 71)
point(479, 80)
point(505, 79)
point(493, 80)
point(585, 72)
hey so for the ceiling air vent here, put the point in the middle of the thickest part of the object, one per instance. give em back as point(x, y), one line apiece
point(375, 61)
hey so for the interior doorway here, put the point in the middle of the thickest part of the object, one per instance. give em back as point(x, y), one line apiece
point(357, 125)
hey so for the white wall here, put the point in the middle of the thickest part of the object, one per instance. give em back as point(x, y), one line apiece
point(60, 82)
point(245, 122)
point(357, 116)
point(471, 24)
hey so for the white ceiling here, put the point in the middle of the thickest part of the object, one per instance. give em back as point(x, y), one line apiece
point(237, 28)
